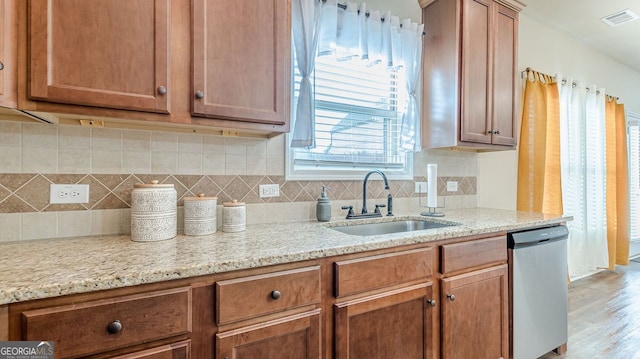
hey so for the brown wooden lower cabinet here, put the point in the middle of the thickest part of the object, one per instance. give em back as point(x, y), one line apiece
point(394, 324)
point(181, 350)
point(293, 337)
point(475, 322)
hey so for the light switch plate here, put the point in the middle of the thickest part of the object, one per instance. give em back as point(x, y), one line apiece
point(452, 186)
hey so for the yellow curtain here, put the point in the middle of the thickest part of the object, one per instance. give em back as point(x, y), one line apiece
point(618, 231)
point(539, 185)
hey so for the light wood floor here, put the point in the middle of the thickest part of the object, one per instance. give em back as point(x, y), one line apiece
point(604, 315)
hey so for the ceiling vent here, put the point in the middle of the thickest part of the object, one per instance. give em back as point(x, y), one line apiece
point(619, 18)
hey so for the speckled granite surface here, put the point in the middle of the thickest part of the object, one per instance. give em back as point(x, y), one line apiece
point(49, 268)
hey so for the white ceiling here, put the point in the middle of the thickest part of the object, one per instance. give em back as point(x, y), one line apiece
point(581, 19)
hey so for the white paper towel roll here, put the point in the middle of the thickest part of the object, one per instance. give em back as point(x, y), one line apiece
point(432, 185)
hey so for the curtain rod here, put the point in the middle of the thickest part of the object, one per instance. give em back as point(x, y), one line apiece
point(366, 14)
point(563, 81)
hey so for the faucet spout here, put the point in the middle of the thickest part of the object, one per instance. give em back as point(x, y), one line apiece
point(364, 188)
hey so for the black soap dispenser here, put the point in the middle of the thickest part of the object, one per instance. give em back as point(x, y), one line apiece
point(323, 207)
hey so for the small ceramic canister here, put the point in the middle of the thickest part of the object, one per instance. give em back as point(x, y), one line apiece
point(234, 216)
point(200, 215)
point(154, 213)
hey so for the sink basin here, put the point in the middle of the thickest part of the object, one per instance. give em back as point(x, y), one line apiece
point(372, 229)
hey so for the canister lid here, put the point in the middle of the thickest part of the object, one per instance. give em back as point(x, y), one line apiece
point(200, 197)
point(153, 184)
point(233, 203)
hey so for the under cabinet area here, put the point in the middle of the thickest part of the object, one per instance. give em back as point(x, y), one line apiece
point(469, 96)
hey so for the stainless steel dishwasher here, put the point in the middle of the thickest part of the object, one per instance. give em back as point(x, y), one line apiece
point(538, 290)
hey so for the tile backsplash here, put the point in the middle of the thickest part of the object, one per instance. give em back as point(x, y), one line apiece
point(111, 161)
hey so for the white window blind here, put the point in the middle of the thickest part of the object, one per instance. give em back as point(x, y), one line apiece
point(634, 174)
point(357, 122)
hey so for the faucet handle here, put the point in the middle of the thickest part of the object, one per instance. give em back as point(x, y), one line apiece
point(378, 206)
point(350, 213)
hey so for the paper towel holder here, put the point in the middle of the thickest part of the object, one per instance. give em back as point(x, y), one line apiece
point(431, 211)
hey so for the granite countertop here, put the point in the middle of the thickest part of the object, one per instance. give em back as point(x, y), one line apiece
point(54, 267)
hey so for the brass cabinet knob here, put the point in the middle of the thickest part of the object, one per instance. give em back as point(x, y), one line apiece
point(114, 327)
point(199, 94)
point(432, 303)
point(276, 294)
point(451, 297)
point(162, 90)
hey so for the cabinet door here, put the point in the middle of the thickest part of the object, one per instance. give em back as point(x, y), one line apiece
point(394, 324)
point(294, 337)
point(8, 53)
point(475, 315)
point(106, 53)
point(242, 60)
point(504, 75)
point(476, 81)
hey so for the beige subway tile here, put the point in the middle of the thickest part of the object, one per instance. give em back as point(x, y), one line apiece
point(10, 159)
point(256, 147)
point(256, 165)
point(106, 139)
point(10, 133)
point(164, 162)
point(213, 164)
point(136, 161)
point(276, 146)
point(164, 142)
point(107, 162)
point(257, 213)
point(275, 166)
point(189, 143)
point(125, 221)
point(39, 159)
point(74, 137)
point(235, 164)
point(213, 144)
point(10, 227)
point(235, 146)
point(105, 222)
point(74, 223)
point(39, 225)
point(189, 163)
point(40, 135)
point(133, 140)
point(72, 160)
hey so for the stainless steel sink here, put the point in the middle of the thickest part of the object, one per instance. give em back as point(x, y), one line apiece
point(373, 229)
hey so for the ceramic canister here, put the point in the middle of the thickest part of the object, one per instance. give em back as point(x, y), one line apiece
point(200, 215)
point(154, 213)
point(234, 216)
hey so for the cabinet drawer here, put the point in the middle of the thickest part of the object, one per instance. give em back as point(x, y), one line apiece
point(80, 329)
point(355, 275)
point(460, 256)
point(249, 297)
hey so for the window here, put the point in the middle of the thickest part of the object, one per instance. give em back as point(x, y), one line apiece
point(358, 118)
point(634, 174)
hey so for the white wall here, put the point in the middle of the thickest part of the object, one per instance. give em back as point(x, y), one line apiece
point(549, 51)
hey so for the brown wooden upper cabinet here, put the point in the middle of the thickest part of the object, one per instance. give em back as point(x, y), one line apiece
point(8, 53)
point(469, 73)
point(107, 53)
point(242, 61)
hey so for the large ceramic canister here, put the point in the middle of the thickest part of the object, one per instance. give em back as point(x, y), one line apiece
point(200, 215)
point(154, 212)
point(234, 216)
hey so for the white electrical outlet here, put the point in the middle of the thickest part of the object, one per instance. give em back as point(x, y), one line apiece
point(452, 186)
point(69, 193)
point(269, 190)
point(420, 187)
